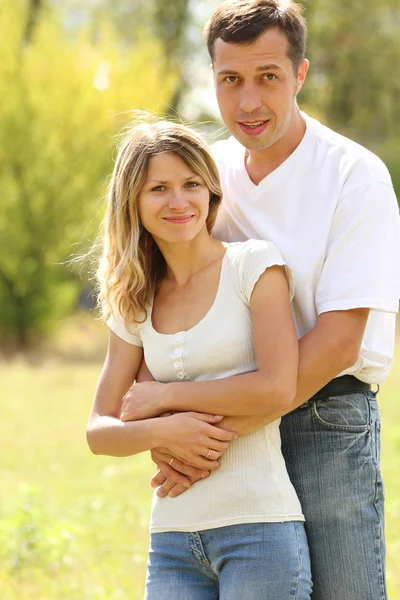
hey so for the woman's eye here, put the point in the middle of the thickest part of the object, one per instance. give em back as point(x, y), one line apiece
point(158, 188)
point(192, 184)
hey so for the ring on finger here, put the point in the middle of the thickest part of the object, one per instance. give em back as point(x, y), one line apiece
point(171, 461)
point(208, 453)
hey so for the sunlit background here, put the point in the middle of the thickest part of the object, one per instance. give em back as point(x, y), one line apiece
point(74, 526)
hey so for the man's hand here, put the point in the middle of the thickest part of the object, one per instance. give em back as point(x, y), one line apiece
point(174, 476)
point(143, 401)
point(194, 439)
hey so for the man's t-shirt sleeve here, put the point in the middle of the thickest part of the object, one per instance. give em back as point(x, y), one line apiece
point(362, 263)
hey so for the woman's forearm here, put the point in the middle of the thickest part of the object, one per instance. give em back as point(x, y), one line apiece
point(109, 436)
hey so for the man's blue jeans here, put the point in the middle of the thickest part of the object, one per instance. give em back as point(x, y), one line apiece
point(332, 447)
point(251, 561)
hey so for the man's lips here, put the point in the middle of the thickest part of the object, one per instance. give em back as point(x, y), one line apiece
point(179, 220)
point(253, 127)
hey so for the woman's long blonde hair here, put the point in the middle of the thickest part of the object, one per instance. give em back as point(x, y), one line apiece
point(131, 264)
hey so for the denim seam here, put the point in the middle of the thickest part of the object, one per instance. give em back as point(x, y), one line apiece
point(379, 557)
point(379, 527)
point(299, 563)
point(377, 442)
point(378, 540)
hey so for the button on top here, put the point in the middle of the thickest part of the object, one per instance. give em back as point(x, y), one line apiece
point(181, 375)
point(177, 352)
point(178, 337)
point(177, 363)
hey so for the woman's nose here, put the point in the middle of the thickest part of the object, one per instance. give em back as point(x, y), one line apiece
point(178, 200)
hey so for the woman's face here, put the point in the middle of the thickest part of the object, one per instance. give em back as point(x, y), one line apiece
point(173, 202)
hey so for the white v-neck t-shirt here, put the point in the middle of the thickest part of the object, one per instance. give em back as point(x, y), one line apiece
point(252, 484)
point(331, 211)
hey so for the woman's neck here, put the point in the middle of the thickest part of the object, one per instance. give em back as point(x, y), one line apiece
point(188, 258)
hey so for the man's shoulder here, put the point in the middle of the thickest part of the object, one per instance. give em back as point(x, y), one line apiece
point(348, 155)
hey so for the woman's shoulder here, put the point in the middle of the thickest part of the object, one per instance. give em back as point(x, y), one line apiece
point(248, 260)
point(240, 251)
point(128, 331)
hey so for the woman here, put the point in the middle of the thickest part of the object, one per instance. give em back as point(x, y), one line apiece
point(199, 310)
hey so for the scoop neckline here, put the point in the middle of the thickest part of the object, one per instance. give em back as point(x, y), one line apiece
point(210, 310)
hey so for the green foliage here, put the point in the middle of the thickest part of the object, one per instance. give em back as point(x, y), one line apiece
point(64, 96)
point(354, 50)
point(31, 540)
point(74, 526)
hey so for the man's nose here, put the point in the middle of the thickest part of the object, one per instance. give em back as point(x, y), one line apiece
point(250, 98)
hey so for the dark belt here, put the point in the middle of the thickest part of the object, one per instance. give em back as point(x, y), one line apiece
point(346, 384)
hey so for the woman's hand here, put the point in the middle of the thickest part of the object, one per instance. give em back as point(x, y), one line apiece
point(192, 438)
point(143, 401)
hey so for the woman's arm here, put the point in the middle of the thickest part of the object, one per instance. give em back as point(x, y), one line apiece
point(272, 387)
point(189, 436)
point(105, 433)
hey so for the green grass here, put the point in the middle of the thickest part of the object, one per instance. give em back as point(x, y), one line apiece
point(75, 526)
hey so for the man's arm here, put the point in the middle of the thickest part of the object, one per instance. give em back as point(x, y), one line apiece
point(332, 346)
point(328, 349)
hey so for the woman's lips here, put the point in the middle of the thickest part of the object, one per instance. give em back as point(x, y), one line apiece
point(179, 220)
point(254, 128)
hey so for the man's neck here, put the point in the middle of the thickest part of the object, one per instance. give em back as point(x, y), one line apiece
point(260, 163)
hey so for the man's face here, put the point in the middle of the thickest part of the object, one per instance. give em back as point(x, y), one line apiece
point(256, 89)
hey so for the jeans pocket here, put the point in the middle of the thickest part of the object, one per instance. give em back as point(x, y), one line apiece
point(347, 412)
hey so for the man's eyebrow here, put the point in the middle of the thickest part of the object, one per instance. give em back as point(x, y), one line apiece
point(267, 67)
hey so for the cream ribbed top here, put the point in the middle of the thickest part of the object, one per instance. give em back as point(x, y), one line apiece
point(252, 484)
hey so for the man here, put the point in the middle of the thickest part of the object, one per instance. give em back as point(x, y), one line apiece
point(329, 206)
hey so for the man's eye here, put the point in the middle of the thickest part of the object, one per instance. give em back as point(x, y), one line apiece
point(270, 76)
point(231, 79)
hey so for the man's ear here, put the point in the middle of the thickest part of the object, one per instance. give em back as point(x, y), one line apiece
point(301, 74)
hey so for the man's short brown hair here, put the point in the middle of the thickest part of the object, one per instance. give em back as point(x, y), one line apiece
point(243, 21)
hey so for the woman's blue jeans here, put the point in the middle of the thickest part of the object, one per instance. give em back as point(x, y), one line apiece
point(252, 561)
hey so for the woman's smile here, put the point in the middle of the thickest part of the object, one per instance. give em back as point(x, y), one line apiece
point(179, 220)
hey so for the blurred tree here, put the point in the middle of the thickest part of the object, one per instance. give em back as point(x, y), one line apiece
point(34, 7)
point(171, 20)
point(63, 97)
point(354, 48)
point(167, 20)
